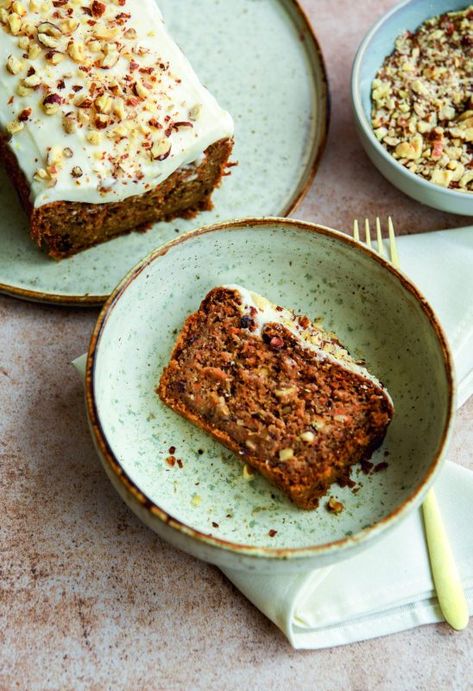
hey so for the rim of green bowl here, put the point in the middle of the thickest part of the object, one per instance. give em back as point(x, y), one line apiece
point(366, 535)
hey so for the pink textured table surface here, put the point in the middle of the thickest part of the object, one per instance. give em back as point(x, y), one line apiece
point(90, 597)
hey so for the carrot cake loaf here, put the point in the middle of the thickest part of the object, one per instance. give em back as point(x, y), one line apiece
point(104, 125)
point(276, 389)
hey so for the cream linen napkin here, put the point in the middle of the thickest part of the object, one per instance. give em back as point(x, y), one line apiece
point(388, 587)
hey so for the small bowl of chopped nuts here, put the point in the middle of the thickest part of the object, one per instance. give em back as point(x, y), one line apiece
point(413, 104)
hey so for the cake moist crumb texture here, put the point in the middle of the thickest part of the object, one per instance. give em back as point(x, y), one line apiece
point(278, 390)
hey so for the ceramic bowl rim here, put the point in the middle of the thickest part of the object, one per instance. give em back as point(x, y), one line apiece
point(361, 537)
point(363, 122)
point(310, 171)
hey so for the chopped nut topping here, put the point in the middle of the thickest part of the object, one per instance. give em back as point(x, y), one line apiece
point(34, 51)
point(93, 138)
point(335, 506)
point(14, 66)
point(422, 103)
point(98, 8)
point(14, 22)
point(286, 455)
point(76, 51)
point(14, 126)
point(55, 156)
point(160, 150)
point(65, 51)
point(51, 103)
point(32, 81)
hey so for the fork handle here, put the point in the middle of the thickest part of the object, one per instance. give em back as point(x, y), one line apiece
point(450, 593)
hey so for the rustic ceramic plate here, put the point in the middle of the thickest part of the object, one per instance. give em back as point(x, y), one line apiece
point(207, 507)
point(263, 63)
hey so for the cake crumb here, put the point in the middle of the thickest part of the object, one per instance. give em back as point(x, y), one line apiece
point(334, 506)
point(248, 472)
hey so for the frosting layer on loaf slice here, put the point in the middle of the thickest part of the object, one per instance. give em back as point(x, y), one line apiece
point(280, 391)
point(97, 101)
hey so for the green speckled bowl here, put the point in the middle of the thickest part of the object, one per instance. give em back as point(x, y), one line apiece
point(207, 507)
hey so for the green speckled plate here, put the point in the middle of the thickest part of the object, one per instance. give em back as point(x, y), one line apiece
point(207, 507)
point(262, 61)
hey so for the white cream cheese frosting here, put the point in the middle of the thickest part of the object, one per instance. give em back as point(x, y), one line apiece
point(308, 334)
point(98, 101)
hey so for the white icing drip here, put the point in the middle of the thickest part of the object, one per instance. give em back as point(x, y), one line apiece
point(311, 337)
point(97, 183)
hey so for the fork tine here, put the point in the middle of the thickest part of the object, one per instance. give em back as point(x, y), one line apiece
point(392, 245)
point(367, 233)
point(379, 237)
point(356, 230)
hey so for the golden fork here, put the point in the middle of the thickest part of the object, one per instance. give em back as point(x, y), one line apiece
point(448, 585)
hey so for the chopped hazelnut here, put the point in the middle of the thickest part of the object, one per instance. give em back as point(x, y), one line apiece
point(41, 174)
point(104, 103)
point(14, 23)
point(14, 126)
point(68, 26)
point(25, 114)
point(119, 109)
point(106, 32)
point(160, 150)
point(140, 89)
point(69, 123)
point(55, 156)
point(23, 42)
point(32, 81)
point(98, 8)
point(34, 51)
point(93, 137)
point(51, 104)
point(14, 66)
point(22, 90)
point(55, 57)
point(19, 8)
point(110, 58)
point(118, 132)
point(130, 33)
point(308, 437)
point(334, 506)
point(76, 51)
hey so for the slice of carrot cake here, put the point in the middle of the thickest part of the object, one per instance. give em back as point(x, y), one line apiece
point(104, 125)
point(276, 389)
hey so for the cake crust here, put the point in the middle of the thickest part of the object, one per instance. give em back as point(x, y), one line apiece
point(301, 419)
point(64, 228)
